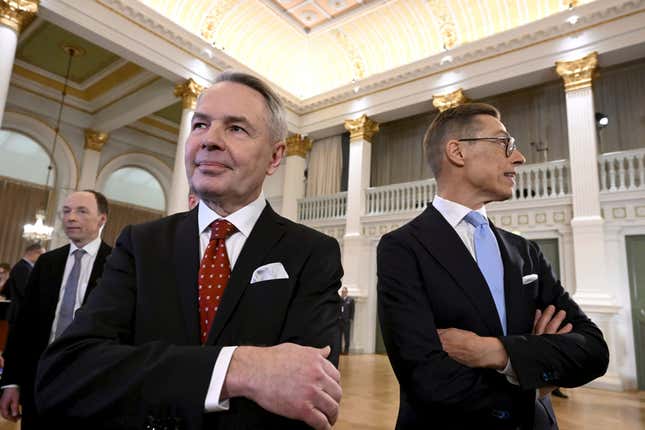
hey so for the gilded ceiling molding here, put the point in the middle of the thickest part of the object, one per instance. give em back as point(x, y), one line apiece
point(214, 18)
point(18, 14)
point(447, 27)
point(578, 73)
point(298, 145)
point(95, 140)
point(450, 100)
point(188, 91)
point(361, 128)
point(358, 65)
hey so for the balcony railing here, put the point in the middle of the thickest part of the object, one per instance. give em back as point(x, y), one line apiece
point(542, 180)
point(322, 207)
point(618, 171)
point(396, 198)
point(622, 171)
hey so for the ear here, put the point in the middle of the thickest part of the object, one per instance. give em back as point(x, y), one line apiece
point(454, 153)
point(276, 157)
point(102, 220)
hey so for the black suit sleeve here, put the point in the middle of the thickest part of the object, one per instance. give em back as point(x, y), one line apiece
point(428, 376)
point(97, 369)
point(567, 360)
point(313, 315)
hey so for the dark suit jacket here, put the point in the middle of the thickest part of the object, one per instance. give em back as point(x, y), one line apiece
point(16, 285)
point(347, 308)
point(132, 357)
point(427, 279)
point(29, 336)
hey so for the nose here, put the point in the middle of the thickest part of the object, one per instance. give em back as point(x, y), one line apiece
point(213, 139)
point(517, 157)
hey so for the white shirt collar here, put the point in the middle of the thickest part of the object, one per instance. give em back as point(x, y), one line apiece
point(243, 219)
point(91, 248)
point(453, 212)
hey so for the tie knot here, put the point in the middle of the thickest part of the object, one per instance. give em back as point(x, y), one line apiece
point(78, 254)
point(475, 219)
point(222, 229)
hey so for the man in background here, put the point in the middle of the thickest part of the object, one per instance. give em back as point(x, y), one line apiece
point(18, 279)
point(58, 285)
point(346, 318)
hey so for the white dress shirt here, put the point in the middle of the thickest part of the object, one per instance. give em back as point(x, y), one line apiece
point(244, 220)
point(454, 213)
point(87, 263)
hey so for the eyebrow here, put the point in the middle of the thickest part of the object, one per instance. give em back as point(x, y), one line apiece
point(227, 119)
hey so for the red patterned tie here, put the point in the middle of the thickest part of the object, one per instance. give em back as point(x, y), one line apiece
point(214, 272)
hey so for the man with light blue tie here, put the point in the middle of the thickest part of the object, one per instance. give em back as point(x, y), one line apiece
point(57, 286)
point(477, 328)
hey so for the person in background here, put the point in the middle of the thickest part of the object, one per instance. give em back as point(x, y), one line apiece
point(5, 268)
point(346, 318)
point(59, 284)
point(18, 277)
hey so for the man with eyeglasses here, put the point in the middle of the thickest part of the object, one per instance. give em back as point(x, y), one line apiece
point(476, 326)
point(58, 285)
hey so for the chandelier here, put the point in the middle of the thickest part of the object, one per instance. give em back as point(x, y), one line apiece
point(39, 231)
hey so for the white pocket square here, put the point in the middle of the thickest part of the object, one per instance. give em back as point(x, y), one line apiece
point(269, 272)
point(529, 278)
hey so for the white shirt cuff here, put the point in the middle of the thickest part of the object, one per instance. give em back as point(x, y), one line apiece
point(213, 402)
point(9, 386)
point(509, 373)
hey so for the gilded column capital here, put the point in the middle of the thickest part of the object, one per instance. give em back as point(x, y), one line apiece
point(361, 128)
point(578, 73)
point(450, 100)
point(188, 91)
point(17, 14)
point(298, 145)
point(95, 140)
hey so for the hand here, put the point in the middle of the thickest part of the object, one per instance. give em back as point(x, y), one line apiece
point(471, 350)
point(295, 381)
point(548, 322)
point(9, 403)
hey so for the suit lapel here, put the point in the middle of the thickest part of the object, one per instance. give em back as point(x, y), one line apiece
point(57, 270)
point(445, 245)
point(186, 262)
point(518, 314)
point(267, 231)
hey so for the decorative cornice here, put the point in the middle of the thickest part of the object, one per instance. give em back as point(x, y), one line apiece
point(577, 74)
point(361, 128)
point(590, 15)
point(95, 140)
point(450, 100)
point(17, 14)
point(298, 145)
point(188, 91)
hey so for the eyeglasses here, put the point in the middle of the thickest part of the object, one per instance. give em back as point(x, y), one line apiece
point(507, 141)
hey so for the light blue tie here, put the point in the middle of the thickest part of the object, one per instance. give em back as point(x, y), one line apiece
point(489, 261)
point(66, 314)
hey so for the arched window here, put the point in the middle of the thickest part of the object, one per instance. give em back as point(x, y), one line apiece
point(23, 158)
point(135, 186)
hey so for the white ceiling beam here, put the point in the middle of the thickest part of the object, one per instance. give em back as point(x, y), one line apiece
point(144, 102)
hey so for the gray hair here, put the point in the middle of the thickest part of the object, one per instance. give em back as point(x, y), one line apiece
point(277, 121)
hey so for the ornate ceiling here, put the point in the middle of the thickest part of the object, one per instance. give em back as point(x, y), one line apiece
point(359, 40)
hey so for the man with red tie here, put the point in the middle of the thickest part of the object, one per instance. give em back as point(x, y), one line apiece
point(221, 317)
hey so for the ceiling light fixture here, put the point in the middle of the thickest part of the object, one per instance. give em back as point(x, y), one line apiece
point(39, 231)
point(573, 19)
point(446, 59)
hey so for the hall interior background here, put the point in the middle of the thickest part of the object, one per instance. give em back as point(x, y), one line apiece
point(581, 194)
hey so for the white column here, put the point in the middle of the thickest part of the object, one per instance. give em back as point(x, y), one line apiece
point(293, 187)
point(94, 142)
point(358, 251)
point(593, 291)
point(13, 18)
point(178, 196)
